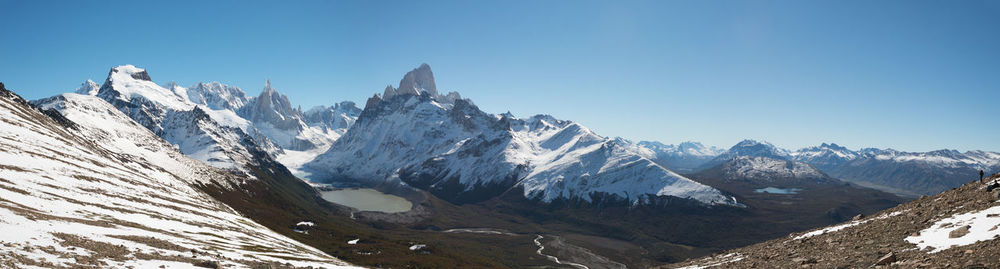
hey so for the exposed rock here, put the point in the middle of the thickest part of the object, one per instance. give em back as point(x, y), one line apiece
point(208, 264)
point(961, 231)
point(887, 259)
point(418, 81)
point(858, 217)
point(88, 87)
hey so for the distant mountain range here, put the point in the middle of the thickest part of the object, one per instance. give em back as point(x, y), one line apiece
point(905, 173)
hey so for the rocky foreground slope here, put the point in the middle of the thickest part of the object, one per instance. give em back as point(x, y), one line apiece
point(958, 228)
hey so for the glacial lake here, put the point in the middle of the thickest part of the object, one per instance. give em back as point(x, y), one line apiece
point(774, 190)
point(365, 199)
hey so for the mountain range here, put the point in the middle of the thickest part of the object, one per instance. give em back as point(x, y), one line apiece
point(909, 174)
point(244, 155)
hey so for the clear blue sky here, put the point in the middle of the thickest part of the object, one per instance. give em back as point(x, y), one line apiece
point(911, 75)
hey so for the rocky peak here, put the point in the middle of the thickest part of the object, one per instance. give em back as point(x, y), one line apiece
point(132, 71)
point(389, 92)
point(88, 87)
point(417, 81)
point(217, 96)
point(273, 108)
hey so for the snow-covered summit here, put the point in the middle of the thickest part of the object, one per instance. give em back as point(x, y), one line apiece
point(127, 82)
point(217, 96)
point(755, 148)
point(825, 155)
point(88, 87)
point(749, 148)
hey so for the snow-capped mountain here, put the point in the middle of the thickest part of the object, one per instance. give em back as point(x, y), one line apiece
point(762, 163)
point(88, 87)
point(448, 146)
point(217, 137)
point(274, 116)
point(216, 96)
point(683, 157)
point(755, 148)
point(767, 169)
point(825, 156)
point(84, 185)
point(301, 136)
point(340, 116)
point(906, 173)
point(748, 148)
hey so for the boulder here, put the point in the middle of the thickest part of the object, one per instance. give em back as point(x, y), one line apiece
point(961, 231)
point(887, 259)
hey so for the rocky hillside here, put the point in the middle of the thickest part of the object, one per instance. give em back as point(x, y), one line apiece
point(955, 229)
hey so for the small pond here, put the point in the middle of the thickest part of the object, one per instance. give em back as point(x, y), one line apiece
point(773, 190)
point(366, 199)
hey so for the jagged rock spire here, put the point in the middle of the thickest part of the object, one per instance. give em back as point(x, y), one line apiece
point(418, 81)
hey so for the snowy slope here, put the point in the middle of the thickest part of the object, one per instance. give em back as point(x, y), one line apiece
point(110, 193)
point(88, 87)
point(765, 169)
point(460, 153)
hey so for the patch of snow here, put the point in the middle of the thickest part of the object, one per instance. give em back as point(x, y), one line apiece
point(847, 225)
point(981, 228)
point(717, 261)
